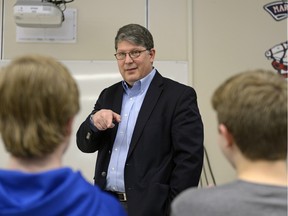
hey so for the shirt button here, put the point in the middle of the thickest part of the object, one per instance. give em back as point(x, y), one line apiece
point(103, 174)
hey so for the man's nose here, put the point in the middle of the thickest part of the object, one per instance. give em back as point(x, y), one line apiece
point(128, 59)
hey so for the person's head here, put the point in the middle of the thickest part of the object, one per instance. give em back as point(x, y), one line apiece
point(39, 99)
point(134, 52)
point(252, 108)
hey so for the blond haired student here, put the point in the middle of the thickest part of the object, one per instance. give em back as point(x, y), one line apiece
point(39, 100)
point(251, 108)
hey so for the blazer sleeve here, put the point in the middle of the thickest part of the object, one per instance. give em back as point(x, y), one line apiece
point(89, 140)
point(85, 137)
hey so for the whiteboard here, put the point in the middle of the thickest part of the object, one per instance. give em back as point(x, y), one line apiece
point(92, 77)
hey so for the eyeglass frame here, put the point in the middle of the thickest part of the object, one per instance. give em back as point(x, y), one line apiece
point(129, 53)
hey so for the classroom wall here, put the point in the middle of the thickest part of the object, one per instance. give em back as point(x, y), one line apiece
point(197, 42)
point(97, 23)
point(229, 36)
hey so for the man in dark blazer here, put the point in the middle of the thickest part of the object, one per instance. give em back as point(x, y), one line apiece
point(147, 130)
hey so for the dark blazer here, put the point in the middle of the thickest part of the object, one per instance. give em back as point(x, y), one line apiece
point(166, 150)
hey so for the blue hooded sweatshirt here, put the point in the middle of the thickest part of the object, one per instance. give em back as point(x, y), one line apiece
point(52, 193)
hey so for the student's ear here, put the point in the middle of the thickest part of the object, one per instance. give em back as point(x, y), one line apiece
point(69, 127)
point(227, 143)
point(225, 133)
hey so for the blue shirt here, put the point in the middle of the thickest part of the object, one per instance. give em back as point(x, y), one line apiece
point(132, 101)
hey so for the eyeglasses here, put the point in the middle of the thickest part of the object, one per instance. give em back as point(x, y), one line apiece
point(133, 54)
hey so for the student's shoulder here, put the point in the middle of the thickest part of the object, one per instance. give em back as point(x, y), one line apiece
point(195, 195)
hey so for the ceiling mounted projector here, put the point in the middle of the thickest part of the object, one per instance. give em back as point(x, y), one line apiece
point(37, 14)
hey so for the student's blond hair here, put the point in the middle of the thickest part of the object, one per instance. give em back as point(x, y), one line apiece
point(253, 106)
point(38, 98)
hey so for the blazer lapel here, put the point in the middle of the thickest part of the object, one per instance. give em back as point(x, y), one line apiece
point(117, 102)
point(153, 93)
point(116, 107)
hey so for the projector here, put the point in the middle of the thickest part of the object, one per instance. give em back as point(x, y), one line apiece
point(36, 14)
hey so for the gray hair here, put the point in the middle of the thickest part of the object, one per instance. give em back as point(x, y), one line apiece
point(136, 34)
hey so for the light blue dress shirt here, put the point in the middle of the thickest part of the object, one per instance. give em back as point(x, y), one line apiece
point(131, 104)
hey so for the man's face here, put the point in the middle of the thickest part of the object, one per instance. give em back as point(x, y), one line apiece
point(135, 69)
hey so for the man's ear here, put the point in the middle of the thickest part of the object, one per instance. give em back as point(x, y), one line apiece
point(152, 53)
point(225, 133)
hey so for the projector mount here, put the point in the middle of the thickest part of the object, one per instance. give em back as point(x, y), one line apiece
point(61, 4)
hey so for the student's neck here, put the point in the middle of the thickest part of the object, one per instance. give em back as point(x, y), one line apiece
point(34, 165)
point(264, 172)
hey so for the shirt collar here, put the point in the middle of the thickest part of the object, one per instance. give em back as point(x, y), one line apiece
point(140, 85)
